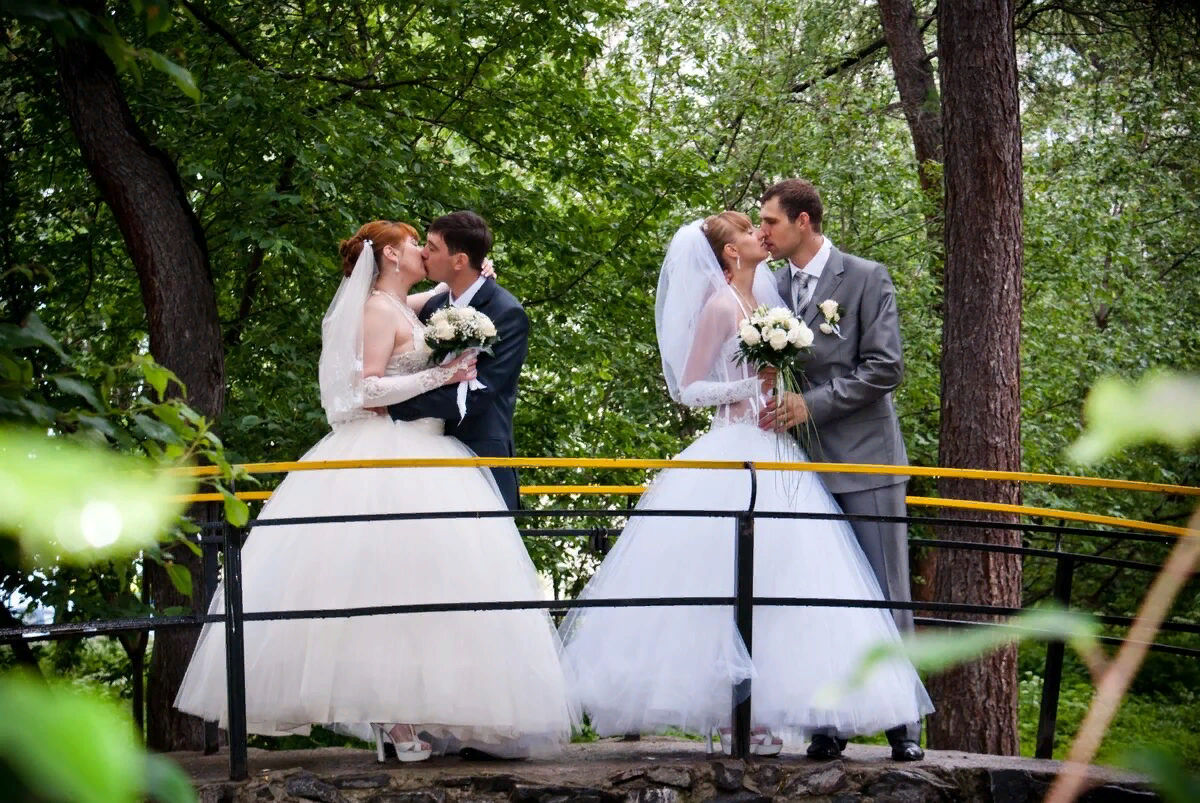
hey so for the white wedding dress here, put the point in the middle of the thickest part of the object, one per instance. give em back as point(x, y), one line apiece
point(644, 669)
point(490, 679)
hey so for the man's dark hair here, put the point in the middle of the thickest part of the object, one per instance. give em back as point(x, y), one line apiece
point(464, 233)
point(795, 196)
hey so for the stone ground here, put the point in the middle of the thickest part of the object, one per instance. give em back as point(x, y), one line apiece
point(654, 770)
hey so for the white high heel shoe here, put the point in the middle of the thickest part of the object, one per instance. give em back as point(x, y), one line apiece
point(725, 735)
point(762, 741)
point(406, 752)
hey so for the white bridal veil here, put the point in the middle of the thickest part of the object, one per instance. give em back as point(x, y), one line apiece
point(691, 276)
point(341, 365)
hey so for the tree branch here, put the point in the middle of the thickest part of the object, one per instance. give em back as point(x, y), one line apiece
point(364, 84)
point(852, 60)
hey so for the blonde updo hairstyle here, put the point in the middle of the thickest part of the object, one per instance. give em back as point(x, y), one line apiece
point(381, 233)
point(722, 229)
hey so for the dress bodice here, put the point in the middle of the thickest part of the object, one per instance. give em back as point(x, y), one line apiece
point(716, 376)
point(411, 359)
point(743, 411)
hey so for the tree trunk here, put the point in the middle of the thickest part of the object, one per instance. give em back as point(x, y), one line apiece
point(918, 91)
point(980, 416)
point(164, 239)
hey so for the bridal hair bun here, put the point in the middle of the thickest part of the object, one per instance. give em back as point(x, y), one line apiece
point(349, 251)
point(722, 229)
point(377, 234)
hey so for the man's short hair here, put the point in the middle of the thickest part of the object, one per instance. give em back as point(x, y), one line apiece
point(464, 233)
point(795, 196)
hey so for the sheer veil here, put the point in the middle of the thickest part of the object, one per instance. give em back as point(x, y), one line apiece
point(341, 365)
point(690, 276)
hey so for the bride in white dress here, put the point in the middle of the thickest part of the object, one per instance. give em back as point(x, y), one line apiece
point(491, 680)
point(644, 669)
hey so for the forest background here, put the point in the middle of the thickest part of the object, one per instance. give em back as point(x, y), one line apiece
point(174, 178)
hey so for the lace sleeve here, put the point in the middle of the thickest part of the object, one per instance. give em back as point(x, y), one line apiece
point(380, 391)
point(715, 394)
point(706, 379)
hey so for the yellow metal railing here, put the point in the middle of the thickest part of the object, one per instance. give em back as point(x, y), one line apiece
point(630, 463)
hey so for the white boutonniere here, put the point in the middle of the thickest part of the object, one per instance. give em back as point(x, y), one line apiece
point(832, 312)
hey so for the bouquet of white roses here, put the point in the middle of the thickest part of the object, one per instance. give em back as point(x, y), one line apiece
point(453, 330)
point(774, 336)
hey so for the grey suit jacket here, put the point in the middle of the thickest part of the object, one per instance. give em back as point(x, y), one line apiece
point(849, 381)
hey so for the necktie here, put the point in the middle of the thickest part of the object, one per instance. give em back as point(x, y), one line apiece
point(801, 288)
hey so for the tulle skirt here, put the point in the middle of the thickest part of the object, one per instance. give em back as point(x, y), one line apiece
point(644, 669)
point(485, 678)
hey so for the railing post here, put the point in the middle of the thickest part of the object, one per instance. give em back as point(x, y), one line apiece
point(209, 580)
point(743, 605)
point(1052, 677)
point(235, 654)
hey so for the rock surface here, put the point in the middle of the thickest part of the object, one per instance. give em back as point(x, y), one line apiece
point(653, 770)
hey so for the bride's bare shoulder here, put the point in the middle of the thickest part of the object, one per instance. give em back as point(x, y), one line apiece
point(379, 304)
point(721, 305)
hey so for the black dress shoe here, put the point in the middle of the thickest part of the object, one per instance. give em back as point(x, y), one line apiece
point(906, 750)
point(475, 754)
point(825, 748)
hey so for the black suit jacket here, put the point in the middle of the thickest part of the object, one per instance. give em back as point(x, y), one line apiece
point(487, 428)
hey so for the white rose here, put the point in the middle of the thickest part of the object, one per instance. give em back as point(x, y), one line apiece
point(487, 328)
point(829, 309)
point(443, 330)
point(778, 315)
point(750, 335)
point(826, 329)
point(806, 337)
point(778, 339)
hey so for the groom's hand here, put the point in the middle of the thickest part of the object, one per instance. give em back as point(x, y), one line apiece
point(783, 413)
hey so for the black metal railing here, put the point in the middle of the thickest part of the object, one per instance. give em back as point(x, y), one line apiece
point(228, 545)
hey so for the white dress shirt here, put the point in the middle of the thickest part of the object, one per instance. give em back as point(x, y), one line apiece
point(467, 295)
point(814, 269)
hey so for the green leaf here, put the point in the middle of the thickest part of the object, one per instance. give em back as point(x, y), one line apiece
point(81, 389)
point(155, 430)
point(180, 75)
point(1161, 408)
point(155, 374)
point(33, 330)
point(166, 782)
point(1167, 772)
point(97, 423)
point(237, 512)
point(81, 503)
point(940, 650)
point(181, 578)
point(172, 415)
point(64, 745)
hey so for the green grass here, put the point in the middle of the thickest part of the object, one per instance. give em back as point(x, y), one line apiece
point(1164, 721)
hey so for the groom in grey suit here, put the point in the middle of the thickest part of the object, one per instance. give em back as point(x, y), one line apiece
point(850, 374)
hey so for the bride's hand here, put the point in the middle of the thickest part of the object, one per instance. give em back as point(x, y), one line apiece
point(464, 368)
point(489, 270)
point(766, 376)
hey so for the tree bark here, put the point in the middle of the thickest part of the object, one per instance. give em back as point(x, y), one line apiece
point(141, 186)
point(980, 415)
point(918, 91)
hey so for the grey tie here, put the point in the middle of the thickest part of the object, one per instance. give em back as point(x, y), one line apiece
point(800, 289)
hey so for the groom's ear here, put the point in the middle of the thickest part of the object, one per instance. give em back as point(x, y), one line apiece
point(460, 261)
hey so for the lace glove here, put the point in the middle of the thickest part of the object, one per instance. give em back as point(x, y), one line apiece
point(703, 393)
point(380, 391)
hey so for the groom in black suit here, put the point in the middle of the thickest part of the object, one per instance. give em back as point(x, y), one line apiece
point(454, 250)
